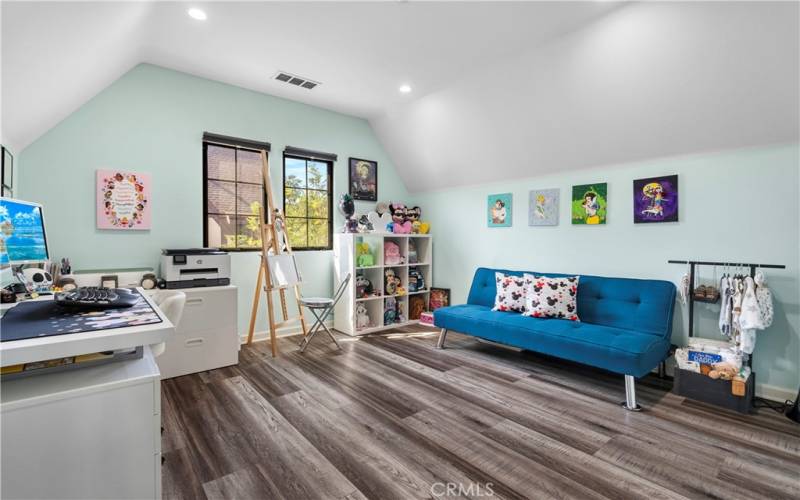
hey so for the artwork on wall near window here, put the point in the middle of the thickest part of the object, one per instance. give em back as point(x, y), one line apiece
point(440, 297)
point(123, 200)
point(7, 173)
point(363, 179)
point(543, 207)
point(498, 210)
point(655, 199)
point(590, 203)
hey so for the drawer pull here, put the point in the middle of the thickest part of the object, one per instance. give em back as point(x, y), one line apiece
point(194, 301)
point(194, 342)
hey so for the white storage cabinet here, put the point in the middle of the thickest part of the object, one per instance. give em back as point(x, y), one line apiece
point(85, 433)
point(207, 336)
point(344, 252)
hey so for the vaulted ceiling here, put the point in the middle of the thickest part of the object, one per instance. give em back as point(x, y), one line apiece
point(500, 90)
point(57, 55)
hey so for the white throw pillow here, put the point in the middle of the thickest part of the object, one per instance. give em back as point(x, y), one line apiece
point(511, 292)
point(552, 297)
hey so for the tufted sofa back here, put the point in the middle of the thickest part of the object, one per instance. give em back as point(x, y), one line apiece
point(644, 306)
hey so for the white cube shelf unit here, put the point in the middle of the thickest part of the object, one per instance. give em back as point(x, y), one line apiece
point(345, 261)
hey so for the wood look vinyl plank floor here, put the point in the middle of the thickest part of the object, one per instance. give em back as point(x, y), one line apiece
point(392, 417)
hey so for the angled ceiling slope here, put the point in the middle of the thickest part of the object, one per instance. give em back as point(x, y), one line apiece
point(57, 55)
point(648, 80)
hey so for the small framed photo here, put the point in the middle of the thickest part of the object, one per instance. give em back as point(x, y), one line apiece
point(7, 172)
point(109, 281)
point(363, 179)
point(440, 297)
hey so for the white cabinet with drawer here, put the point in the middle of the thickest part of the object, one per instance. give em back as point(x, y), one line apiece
point(207, 336)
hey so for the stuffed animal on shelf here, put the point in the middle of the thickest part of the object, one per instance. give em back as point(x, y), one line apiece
point(413, 214)
point(380, 222)
point(416, 281)
point(424, 227)
point(412, 251)
point(399, 316)
point(389, 311)
point(364, 257)
point(364, 286)
point(362, 317)
point(364, 224)
point(391, 254)
point(399, 223)
point(400, 290)
point(390, 282)
point(416, 306)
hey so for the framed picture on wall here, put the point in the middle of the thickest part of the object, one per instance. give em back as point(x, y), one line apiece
point(655, 199)
point(590, 203)
point(440, 297)
point(499, 209)
point(543, 207)
point(7, 173)
point(363, 179)
point(123, 200)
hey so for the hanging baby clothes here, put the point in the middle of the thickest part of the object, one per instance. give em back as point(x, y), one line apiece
point(684, 289)
point(764, 298)
point(725, 309)
point(749, 317)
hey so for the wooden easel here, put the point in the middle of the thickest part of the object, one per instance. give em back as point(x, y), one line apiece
point(272, 225)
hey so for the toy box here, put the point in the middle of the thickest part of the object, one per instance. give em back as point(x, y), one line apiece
point(426, 318)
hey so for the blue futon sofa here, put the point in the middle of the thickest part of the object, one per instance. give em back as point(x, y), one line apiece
point(625, 324)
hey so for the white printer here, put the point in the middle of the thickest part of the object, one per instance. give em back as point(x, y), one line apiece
point(194, 267)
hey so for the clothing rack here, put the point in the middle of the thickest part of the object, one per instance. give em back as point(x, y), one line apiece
point(693, 264)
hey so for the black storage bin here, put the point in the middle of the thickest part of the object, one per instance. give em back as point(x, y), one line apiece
point(714, 391)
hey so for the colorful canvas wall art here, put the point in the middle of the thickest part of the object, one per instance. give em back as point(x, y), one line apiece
point(498, 210)
point(655, 199)
point(123, 200)
point(543, 207)
point(590, 203)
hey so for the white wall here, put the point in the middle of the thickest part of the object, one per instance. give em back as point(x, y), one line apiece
point(739, 206)
point(648, 80)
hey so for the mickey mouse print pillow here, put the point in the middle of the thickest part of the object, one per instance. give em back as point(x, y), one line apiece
point(552, 297)
point(511, 292)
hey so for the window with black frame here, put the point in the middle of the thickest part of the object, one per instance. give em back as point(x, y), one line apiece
point(307, 198)
point(233, 192)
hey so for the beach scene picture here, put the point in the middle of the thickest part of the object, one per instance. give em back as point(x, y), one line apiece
point(22, 235)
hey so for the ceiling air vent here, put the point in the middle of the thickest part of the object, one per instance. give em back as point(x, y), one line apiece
point(297, 81)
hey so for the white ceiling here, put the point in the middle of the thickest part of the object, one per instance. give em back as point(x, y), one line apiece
point(57, 55)
point(646, 81)
point(501, 90)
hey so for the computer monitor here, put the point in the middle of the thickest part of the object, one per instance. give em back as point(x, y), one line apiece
point(22, 236)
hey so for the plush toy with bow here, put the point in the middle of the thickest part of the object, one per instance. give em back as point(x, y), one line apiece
point(399, 223)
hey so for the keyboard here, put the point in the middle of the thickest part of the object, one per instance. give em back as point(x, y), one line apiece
point(92, 297)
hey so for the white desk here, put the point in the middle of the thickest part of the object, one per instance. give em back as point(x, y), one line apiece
point(88, 432)
point(73, 344)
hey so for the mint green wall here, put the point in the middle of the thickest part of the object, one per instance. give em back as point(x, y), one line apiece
point(152, 120)
point(737, 206)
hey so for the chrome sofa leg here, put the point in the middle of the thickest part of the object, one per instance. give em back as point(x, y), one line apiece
point(630, 394)
point(442, 335)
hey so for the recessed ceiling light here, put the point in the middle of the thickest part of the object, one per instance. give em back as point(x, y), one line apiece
point(197, 14)
point(405, 89)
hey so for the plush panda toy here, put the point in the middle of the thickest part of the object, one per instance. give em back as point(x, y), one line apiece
point(37, 280)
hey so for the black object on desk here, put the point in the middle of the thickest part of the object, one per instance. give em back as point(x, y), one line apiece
point(91, 297)
point(44, 318)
